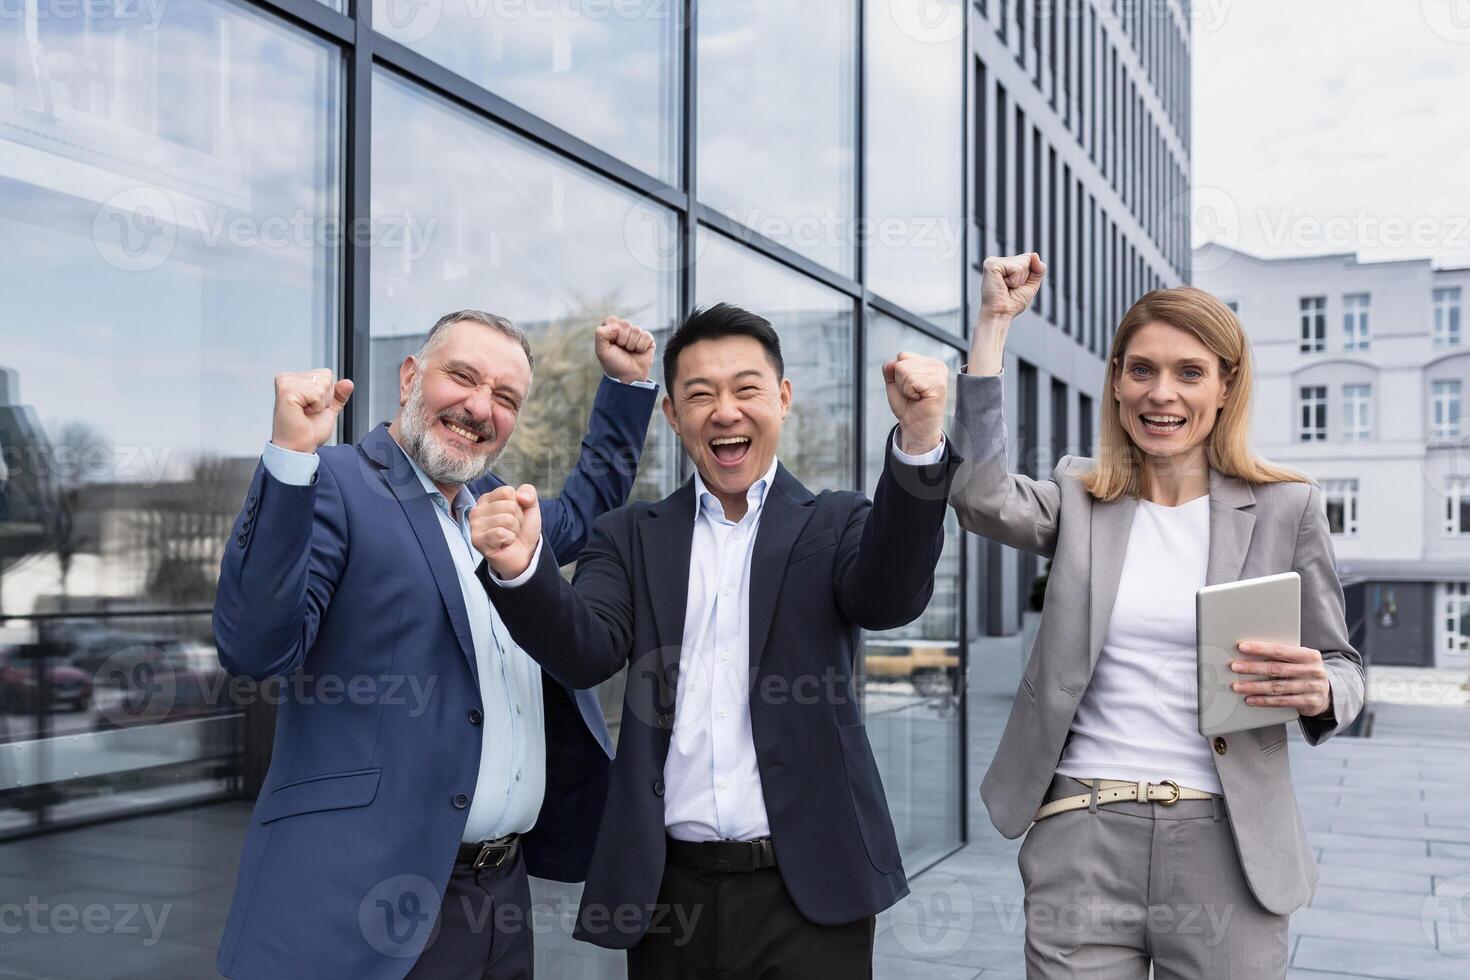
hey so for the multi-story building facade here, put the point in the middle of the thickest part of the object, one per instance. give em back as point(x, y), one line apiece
point(1362, 369)
point(1079, 137)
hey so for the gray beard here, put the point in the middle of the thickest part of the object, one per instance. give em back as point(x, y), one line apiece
point(442, 465)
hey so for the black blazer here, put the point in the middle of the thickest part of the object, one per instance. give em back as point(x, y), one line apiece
point(824, 566)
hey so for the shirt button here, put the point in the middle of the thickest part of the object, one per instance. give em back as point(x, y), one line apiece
point(1219, 745)
point(461, 801)
point(518, 709)
point(518, 775)
point(739, 533)
point(723, 712)
point(724, 783)
point(724, 654)
point(725, 591)
point(475, 716)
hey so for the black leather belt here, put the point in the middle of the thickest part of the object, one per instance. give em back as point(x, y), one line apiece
point(489, 853)
point(723, 855)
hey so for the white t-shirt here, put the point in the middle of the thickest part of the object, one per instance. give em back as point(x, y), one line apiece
point(1139, 718)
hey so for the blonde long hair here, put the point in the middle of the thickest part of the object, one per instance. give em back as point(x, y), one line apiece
point(1120, 465)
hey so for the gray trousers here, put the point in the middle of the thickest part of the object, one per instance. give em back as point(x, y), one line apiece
point(1113, 889)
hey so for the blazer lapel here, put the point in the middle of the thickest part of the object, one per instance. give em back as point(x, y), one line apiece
point(1230, 527)
point(409, 491)
point(787, 508)
point(667, 533)
point(1111, 522)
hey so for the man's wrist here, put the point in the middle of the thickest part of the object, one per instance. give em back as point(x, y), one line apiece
point(918, 443)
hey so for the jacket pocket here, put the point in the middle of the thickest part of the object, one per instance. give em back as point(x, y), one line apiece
point(870, 807)
point(328, 791)
point(814, 545)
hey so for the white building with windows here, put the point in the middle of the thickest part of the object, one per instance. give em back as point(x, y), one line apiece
point(1362, 369)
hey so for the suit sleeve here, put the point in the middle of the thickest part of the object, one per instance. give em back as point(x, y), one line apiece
point(1324, 623)
point(606, 467)
point(579, 632)
point(884, 569)
point(281, 566)
point(991, 501)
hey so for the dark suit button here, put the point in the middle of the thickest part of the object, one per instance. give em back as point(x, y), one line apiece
point(1219, 745)
point(241, 540)
point(665, 721)
point(658, 787)
point(244, 525)
point(475, 716)
point(251, 500)
point(461, 801)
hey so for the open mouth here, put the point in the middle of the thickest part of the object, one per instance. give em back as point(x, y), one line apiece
point(461, 432)
point(1162, 425)
point(730, 450)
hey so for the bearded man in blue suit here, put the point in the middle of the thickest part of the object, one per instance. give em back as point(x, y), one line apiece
point(423, 765)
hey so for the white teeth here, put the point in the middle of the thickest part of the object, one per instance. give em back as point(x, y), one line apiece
point(460, 430)
point(1164, 419)
point(729, 440)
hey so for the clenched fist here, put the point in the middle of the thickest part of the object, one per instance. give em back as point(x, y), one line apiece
point(918, 388)
point(1007, 287)
point(624, 350)
point(307, 406)
point(505, 527)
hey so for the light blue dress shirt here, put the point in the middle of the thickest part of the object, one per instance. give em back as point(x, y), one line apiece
point(512, 778)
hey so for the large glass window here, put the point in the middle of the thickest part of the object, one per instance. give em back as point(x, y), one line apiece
point(776, 116)
point(169, 249)
point(815, 326)
point(499, 225)
point(914, 674)
point(1444, 409)
point(914, 157)
point(605, 72)
point(1447, 317)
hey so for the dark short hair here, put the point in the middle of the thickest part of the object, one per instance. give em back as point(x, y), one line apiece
point(715, 322)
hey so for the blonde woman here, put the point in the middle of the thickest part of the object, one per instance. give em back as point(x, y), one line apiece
point(1148, 844)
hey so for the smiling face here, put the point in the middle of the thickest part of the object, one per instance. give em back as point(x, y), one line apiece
point(727, 406)
point(1169, 388)
point(459, 406)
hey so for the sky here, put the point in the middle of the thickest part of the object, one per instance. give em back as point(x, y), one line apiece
point(1325, 126)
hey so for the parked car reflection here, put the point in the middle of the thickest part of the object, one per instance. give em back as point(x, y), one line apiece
point(67, 687)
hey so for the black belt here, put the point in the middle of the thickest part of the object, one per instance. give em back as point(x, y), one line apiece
point(723, 855)
point(489, 853)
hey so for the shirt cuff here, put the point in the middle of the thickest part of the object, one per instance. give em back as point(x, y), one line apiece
point(923, 459)
point(290, 467)
point(646, 383)
point(522, 578)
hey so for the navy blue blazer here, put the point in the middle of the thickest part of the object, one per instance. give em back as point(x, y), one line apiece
point(348, 582)
point(824, 566)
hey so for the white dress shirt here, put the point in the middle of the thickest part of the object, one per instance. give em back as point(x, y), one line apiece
point(1139, 718)
point(512, 777)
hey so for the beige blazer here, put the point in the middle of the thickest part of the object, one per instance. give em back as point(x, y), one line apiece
point(1254, 530)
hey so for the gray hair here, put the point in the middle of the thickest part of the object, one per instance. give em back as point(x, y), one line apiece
point(435, 337)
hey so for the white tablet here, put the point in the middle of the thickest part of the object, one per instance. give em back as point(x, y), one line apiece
point(1267, 608)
